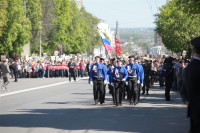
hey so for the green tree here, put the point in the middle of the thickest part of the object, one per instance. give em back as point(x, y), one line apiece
point(176, 27)
point(3, 16)
point(34, 13)
point(90, 30)
point(190, 6)
point(75, 29)
point(17, 29)
point(60, 32)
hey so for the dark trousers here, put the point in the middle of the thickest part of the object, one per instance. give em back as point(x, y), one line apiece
point(118, 87)
point(139, 90)
point(133, 90)
point(72, 73)
point(194, 125)
point(161, 81)
point(15, 74)
point(145, 87)
point(98, 89)
point(168, 84)
point(81, 72)
point(104, 95)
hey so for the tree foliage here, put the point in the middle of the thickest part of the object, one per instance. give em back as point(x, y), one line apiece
point(34, 13)
point(59, 21)
point(190, 6)
point(3, 16)
point(16, 32)
point(73, 28)
point(177, 27)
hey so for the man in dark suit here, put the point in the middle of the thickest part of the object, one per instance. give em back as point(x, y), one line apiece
point(72, 66)
point(192, 87)
point(15, 69)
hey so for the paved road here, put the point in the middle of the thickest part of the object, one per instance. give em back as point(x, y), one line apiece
point(69, 108)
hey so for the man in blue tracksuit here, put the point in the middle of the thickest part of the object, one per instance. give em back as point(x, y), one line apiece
point(105, 82)
point(97, 79)
point(133, 80)
point(141, 75)
point(118, 79)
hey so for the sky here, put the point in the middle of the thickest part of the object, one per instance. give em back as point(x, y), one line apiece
point(128, 13)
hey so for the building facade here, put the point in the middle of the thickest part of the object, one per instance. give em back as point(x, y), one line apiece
point(79, 3)
point(158, 40)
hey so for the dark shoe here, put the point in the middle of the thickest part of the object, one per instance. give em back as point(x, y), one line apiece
point(135, 103)
point(15, 81)
point(131, 103)
point(147, 93)
point(143, 93)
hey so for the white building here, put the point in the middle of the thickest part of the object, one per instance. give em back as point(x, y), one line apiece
point(158, 50)
point(79, 3)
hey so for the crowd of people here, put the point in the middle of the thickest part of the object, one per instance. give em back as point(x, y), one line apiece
point(124, 78)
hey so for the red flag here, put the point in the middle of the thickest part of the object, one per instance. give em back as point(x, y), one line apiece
point(118, 48)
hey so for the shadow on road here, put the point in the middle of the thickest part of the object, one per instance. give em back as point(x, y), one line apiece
point(122, 119)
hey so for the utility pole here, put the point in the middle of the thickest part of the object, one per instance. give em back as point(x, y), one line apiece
point(40, 43)
point(117, 29)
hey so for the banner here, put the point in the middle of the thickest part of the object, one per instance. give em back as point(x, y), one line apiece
point(118, 48)
point(58, 67)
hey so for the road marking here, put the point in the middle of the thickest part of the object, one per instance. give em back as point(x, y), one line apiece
point(37, 88)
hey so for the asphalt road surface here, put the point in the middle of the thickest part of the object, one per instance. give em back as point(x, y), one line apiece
point(55, 105)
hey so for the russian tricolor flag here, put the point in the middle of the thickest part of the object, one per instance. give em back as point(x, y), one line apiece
point(106, 43)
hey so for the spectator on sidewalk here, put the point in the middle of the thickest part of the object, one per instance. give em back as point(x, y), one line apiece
point(82, 66)
point(192, 87)
point(5, 73)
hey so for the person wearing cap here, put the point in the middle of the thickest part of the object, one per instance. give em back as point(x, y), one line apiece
point(72, 66)
point(118, 79)
point(141, 75)
point(105, 82)
point(133, 80)
point(5, 73)
point(109, 73)
point(98, 76)
point(192, 87)
point(146, 83)
point(168, 72)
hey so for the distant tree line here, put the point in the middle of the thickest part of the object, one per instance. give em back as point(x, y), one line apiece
point(59, 22)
